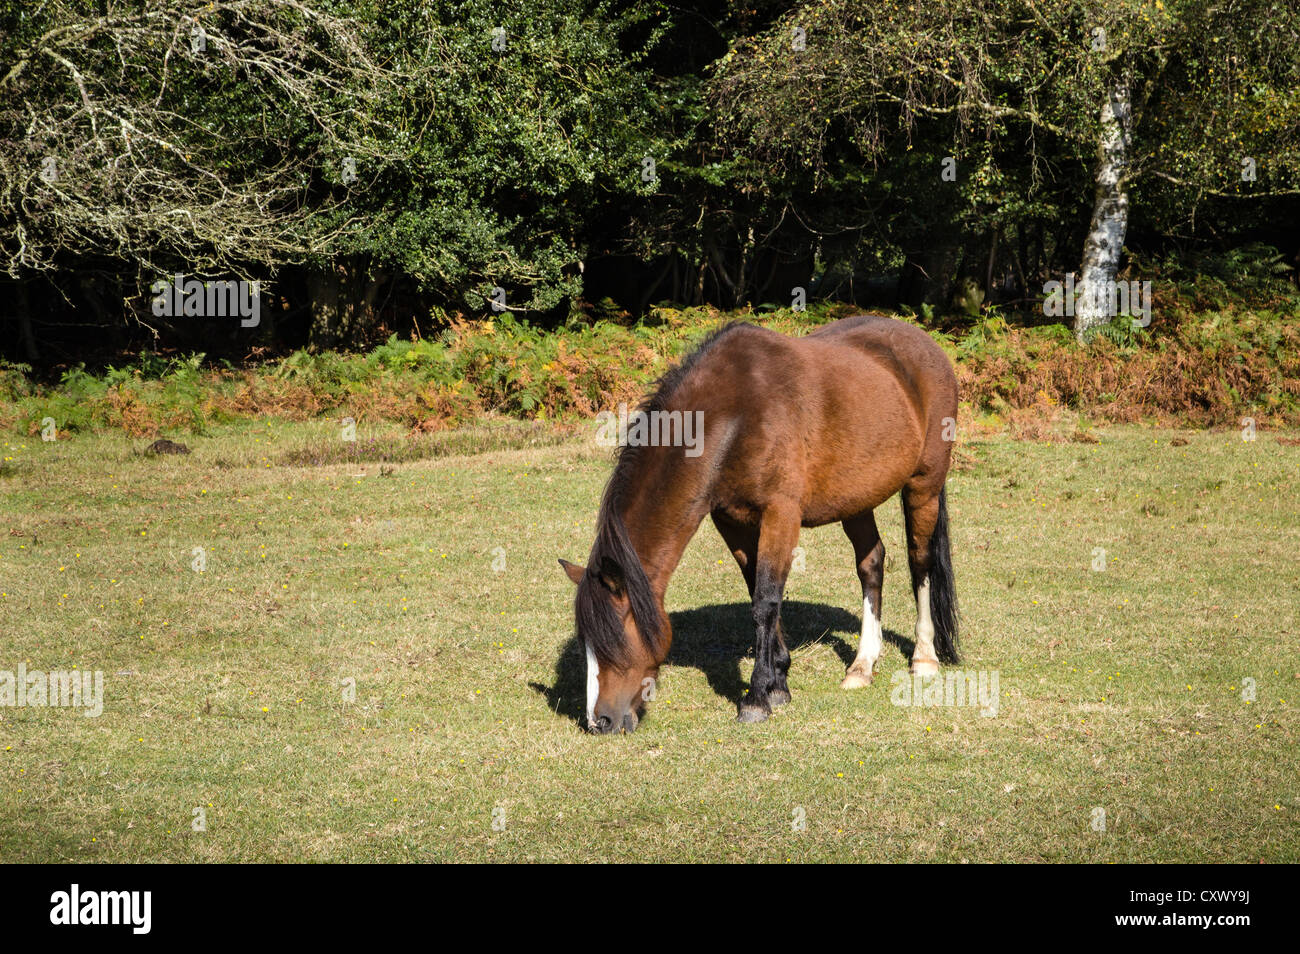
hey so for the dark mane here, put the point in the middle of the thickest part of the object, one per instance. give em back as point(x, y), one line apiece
point(612, 554)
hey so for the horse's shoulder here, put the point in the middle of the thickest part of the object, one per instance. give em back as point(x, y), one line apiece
point(745, 336)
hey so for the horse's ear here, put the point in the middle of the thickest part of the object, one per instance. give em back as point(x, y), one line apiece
point(573, 570)
point(611, 575)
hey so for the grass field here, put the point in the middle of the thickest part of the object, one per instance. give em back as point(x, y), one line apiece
point(433, 584)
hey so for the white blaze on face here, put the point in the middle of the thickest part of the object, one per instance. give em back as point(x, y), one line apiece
point(593, 686)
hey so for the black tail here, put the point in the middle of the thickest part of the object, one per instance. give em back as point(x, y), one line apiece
point(943, 588)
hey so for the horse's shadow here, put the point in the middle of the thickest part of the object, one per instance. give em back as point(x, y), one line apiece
point(713, 639)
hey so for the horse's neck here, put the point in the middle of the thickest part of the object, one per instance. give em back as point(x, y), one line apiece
point(661, 516)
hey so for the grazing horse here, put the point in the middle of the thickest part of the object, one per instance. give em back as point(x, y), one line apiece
point(793, 432)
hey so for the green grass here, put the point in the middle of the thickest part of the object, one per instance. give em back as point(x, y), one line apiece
point(1120, 690)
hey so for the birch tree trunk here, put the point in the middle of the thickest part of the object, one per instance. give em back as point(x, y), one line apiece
point(1105, 241)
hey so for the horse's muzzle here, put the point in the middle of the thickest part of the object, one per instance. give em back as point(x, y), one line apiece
point(604, 725)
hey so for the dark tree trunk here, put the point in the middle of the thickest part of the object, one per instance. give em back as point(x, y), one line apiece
point(342, 303)
point(28, 338)
point(326, 314)
point(928, 276)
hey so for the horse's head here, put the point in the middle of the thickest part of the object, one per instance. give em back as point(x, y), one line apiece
point(625, 636)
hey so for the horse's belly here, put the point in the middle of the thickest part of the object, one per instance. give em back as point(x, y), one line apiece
point(832, 478)
point(853, 487)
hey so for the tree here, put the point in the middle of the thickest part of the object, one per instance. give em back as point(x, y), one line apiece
point(1199, 97)
point(1045, 106)
point(172, 135)
point(462, 145)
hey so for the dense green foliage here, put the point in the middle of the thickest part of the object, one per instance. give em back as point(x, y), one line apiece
point(369, 161)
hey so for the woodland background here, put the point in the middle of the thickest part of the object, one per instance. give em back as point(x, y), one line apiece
point(383, 168)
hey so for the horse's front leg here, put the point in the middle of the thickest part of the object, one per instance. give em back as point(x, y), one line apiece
point(777, 537)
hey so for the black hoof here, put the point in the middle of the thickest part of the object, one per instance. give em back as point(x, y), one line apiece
point(778, 697)
point(749, 713)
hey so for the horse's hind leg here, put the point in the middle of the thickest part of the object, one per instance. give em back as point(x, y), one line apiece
point(869, 553)
point(926, 515)
point(778, 533)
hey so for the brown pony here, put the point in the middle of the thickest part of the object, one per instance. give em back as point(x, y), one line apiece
point(789, 432)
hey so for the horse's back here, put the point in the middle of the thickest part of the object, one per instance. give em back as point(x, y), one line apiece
point(747, 347)
point(908, 344)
